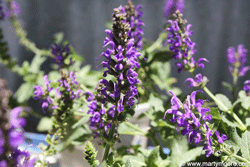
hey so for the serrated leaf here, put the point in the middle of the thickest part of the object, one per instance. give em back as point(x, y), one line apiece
point(128, 128)
point(45, 124)
point(191, 154)
point(223, 99)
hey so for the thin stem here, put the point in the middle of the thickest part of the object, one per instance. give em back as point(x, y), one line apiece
point(242, 125)
point(111, 133)
point(235, 156)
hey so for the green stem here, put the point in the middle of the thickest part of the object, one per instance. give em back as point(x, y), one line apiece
point(218, 102)
point(234, 91)
point(235, 156)
point(111, 133)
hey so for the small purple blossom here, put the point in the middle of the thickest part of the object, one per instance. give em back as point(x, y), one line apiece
point(198, 81)
point(237, 61)
point(220, 138)
point(246, 87)
point(60, 55)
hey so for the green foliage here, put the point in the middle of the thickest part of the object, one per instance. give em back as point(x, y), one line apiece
point(223, 99)
point(128, 128)
point(237, 145)
point(91, 154)
point(180, 154)
point(45, 124)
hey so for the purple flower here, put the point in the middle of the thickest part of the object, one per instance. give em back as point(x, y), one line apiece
point(60, 55)
point(246, 87)
point(172, 5)
point(15, 121)
point(191, 118)
point(38, 92)
point(181, 45)
point(197, 81)
point(237, 61)
point(220, 138)
point(134, 19)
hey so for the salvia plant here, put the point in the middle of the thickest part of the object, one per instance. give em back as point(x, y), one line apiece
point(95, 109)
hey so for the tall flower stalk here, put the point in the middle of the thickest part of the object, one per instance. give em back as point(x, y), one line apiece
point(183, 49)
point(120, 92)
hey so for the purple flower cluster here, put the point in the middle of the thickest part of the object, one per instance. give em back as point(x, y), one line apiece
point(181, 44)
point(60, 55)
point(246, 87)
point(68, 83)
point(237, 60)
point(134, 19)
point(172, 5)
point(198, 81)
point(121, 61)
point(191, 119)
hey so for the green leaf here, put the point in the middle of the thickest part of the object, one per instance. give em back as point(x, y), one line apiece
point(128, 163)
point(245, 145)
point(128, 128)
point(24, 92)
point(77, 133)
point(247, 122)
point(36, 63)
point(45, 124)
point(191, 154)
point(153, 157)
point(223, 99)
point(180, 153)
point(246, 102)
point(137, 161)
point(155, 102)
point(242, 94)
point(81, 122)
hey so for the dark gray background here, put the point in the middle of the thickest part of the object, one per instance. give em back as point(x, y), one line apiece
point(217, 25)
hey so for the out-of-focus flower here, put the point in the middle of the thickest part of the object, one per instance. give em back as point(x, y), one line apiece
point(172, 5)
point(237, 61)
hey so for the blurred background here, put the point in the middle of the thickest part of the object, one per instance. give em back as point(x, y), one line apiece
point(217, 25)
